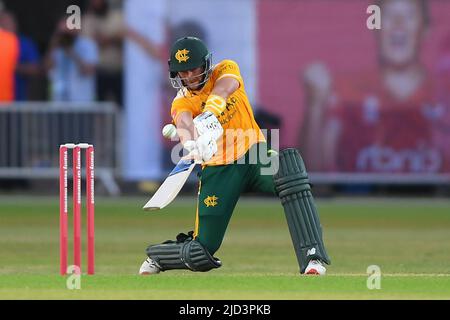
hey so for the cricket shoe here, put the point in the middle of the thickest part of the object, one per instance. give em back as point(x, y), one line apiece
point(315, 267)
point(149, 267)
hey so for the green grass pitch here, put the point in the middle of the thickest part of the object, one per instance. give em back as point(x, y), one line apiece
point(408, 239)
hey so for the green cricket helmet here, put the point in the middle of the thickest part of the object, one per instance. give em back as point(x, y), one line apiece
point(186, 54)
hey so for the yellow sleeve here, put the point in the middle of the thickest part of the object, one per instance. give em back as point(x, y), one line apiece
point(228, 68)
point(177, 109)
point(182, 103)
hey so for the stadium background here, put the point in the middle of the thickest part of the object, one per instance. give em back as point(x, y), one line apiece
point(275, 43)
point(273, 55)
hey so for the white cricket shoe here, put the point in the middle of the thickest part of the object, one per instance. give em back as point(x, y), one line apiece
point(149, 267)
point(315, 267)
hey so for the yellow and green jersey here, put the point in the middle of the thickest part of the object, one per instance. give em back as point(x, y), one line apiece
point(240, 128)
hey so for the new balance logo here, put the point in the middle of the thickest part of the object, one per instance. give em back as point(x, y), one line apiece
point(310, 252)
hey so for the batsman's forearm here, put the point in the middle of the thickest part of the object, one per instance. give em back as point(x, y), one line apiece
point(185, 135)
point(185, 127)
point(225, 87)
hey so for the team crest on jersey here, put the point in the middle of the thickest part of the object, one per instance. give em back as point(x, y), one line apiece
point(182, 56)
point(211, 201)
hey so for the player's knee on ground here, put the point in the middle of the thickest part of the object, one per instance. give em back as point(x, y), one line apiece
point(184, 253)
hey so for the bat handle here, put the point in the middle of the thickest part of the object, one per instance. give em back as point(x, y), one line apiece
point(193, 155)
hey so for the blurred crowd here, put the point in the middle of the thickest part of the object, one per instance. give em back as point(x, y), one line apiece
point(79, 65)
point(367, 101)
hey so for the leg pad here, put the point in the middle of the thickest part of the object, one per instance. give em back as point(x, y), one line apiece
point(293, 187)
point(184, 253)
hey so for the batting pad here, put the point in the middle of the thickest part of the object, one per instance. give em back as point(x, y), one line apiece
point(293, 188)
point(189, 254)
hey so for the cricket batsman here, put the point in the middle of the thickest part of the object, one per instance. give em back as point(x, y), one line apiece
point(215, 121)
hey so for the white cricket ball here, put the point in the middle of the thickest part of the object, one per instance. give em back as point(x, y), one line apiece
point(169, 131)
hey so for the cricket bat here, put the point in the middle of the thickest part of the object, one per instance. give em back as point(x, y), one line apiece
point(172, 185)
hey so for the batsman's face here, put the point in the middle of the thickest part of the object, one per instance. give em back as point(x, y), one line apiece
point(192, 78)
point(402, 29)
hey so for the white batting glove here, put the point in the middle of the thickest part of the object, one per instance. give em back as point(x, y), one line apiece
point(190, 145)
point(206, 146)
point(207, 122)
